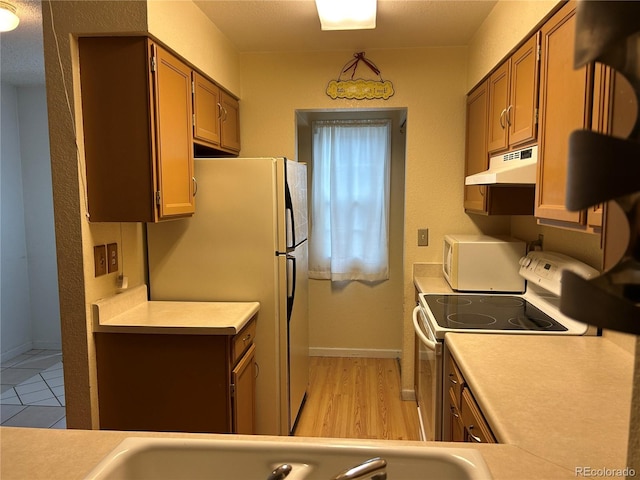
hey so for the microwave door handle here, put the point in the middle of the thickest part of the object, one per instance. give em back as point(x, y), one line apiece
point(430, 344)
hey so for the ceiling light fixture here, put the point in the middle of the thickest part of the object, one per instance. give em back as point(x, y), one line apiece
point(8, 18)
point(347, 15)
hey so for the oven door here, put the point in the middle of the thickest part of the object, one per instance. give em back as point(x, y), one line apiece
point(429, 378)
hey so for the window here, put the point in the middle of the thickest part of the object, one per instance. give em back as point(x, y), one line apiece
point(349, 237)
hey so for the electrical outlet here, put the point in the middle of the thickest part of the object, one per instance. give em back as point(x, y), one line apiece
point(112, 256)
point(100, 259)
point(423, 237)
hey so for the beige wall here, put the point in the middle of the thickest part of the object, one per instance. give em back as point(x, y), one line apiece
point(508, 23)
point(75, 235)
point(182, 26)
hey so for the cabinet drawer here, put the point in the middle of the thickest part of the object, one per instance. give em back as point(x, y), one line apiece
point(242, 341)
point(455, 420)
point(475, 425)
point(455, 381)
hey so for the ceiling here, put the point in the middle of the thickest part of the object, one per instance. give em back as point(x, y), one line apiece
point(278, 26)
point(293, 25)
point(21, 51)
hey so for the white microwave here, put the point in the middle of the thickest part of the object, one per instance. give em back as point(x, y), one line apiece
point(481, 263)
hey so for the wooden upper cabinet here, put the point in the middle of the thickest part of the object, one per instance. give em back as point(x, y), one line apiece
point(175, 195)
point(206, 109)
point(615, 108)
point(230, 122)
point(476, 156)
point(513, 99)
point(565, 106)
point(136, 109)
point(216, 121)
point(498, 104)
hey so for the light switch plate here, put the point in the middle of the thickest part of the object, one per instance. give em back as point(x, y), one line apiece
point(100, 259)
point(423, 237)
point(112, 257)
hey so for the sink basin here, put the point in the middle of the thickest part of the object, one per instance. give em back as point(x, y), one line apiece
point(179, 458)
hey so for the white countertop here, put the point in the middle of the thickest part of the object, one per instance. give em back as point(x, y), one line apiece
point(130, 312)
point(432, 285)
point(566, 399)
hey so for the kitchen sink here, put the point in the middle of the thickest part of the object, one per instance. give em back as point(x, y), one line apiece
point(179, 458)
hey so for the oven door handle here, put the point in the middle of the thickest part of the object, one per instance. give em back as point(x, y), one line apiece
point(430, 344)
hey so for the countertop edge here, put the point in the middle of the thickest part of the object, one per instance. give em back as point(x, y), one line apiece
point(138, 319)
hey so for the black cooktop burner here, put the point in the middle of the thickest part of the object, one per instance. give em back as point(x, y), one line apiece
point(489, 312)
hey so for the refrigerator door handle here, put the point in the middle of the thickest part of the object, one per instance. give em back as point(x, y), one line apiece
point(291, 288)
point(290, 220)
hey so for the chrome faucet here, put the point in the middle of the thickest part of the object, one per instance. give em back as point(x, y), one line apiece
point(373, 469)
point(280, 472)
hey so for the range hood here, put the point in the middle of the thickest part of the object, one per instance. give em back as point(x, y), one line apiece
point(513, 168)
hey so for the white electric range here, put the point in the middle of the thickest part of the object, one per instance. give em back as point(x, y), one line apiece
point(534, 312)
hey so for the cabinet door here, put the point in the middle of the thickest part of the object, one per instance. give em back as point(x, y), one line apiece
point(476, 428)
point(207, 110)
point(521, 112)
point(564, 97)
point(499, 84)
point(172, 82)
point(230, 123)
point(477, 158)
point(456, 427)
point(243, 378)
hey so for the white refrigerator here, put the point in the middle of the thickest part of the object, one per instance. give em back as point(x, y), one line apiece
point(247, 241)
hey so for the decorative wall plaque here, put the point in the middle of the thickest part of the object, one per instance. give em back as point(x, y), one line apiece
point(359, 89)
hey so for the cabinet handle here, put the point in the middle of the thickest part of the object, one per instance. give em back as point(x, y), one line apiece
point(219, 110)
point(475, 438)
point(502, 117)
point(452, 380)
point(224, 118)
point(257, 369)
point(454, 413)
point(195, 186)
point(508, 116)
point(246, 338)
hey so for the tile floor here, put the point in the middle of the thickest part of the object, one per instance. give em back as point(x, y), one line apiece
point(33, 390)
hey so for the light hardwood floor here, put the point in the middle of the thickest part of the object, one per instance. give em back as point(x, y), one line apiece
point(357, 398)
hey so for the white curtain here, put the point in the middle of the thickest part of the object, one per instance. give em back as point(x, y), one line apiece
point(349, 237)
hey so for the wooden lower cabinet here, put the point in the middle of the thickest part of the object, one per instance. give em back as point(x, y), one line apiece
point(177, 383)
point(455, 425)
point(476, 428)
point(463, 419)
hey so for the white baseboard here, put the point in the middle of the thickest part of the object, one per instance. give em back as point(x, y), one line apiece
point(14, 352)
point(353, 352)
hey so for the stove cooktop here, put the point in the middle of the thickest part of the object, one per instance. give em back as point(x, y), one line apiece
point(489, 312)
